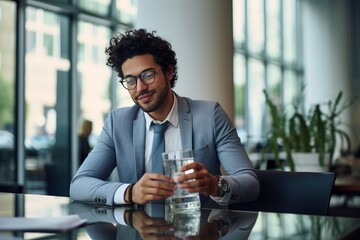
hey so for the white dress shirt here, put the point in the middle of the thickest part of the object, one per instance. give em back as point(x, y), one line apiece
point(172, 143)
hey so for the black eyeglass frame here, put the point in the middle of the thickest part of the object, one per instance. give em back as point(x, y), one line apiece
point(141, 76)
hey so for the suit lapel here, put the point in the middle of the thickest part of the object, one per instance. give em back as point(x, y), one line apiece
point(185, 123)
point(139, 144)
point(186, 133)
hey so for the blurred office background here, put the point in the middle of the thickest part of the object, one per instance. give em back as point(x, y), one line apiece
point(53, 73)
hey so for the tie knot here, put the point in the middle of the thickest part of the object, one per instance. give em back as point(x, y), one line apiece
point(160, 128)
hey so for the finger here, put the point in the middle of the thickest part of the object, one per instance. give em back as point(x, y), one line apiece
point(159, 228)
point(191, 176)
point(200, 185)
point(156, 190)
point(157, 194)
point(153, 221)
point(148, 189)
point(192, 165)
point(161, 185)
point(194, 184)
point(159, 177)
point(156, 180)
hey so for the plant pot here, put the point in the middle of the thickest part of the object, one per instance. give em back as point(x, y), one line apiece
point(309, 162)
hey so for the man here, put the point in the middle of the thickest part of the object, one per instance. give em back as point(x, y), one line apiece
point(147, 66)
point(84, 145)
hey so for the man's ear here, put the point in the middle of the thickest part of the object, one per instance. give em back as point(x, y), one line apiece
point(170, 72)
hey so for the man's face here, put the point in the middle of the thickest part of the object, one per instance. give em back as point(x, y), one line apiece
point(156, 98)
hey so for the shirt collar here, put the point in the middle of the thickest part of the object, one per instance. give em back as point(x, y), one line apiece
point(172, 117)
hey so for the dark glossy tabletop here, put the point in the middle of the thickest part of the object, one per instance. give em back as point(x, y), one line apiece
point(156, 222)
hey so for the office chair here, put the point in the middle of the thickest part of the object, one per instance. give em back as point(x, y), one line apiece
point(291, 192)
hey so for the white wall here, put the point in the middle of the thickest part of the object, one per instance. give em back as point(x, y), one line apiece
point(328, 58)
point(201, 34)
point(326, 42)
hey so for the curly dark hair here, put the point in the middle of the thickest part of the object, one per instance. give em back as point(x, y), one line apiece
point(139, 42)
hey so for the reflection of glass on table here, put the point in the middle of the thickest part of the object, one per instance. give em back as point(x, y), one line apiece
point(186, 224)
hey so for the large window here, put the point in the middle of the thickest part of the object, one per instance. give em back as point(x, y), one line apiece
point(93, 75)
point(7, 92)
point(57, 50)
point(47, 72)
point(267, 57)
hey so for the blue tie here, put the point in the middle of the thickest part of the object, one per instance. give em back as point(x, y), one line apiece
point(158, 147)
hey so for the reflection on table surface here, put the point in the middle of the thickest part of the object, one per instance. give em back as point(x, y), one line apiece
point(157, 222)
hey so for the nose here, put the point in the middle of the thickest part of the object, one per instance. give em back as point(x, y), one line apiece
point(140, 86)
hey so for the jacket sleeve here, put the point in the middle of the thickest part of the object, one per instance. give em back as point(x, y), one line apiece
point(90, 183)
point(239, 171)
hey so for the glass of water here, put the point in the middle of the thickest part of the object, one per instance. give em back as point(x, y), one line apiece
point(182, 200)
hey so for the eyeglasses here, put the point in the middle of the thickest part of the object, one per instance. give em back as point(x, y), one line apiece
point(147, 77)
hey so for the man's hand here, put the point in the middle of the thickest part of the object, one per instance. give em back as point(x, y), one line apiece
point(198, 181)
point(151, 228)
point(152, 186)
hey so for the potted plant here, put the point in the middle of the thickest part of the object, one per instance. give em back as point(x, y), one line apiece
point(315, 131)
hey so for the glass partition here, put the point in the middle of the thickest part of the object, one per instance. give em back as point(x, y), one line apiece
point(47, 101)
point(126, 10)
point(256, 36)
point(7, 92)
point(290, 33)
point(53, 75)
point(99, 7)
point(256, 99)
point(266, 36)
point(273, 24)
point(240, 95)
point(94, 96)
point(239, 23)
point(292, 92)
point(274, 83)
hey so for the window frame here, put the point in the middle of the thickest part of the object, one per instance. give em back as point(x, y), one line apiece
point(242, 49)
point(70, 10)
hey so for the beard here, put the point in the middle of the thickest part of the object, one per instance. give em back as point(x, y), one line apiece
point(159, 99)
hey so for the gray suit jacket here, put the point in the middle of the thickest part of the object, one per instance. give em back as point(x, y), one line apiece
point(204, 127)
